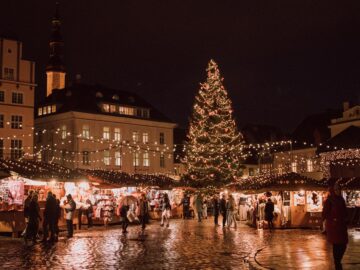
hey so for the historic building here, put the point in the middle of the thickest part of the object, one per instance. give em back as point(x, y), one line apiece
point(17, 87)
point(95, 127)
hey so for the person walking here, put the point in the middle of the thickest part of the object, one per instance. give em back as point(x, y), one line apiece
point(335, 215)
point(269, 213)
point(166, 210)
point(143, 211)
point(216, 210)
point(69, 207)
point(185, 202)
point(230, 207)
point(34, 219)
point(223, 209)
point(89, 213)
point(57, 218)
point(198, 203)
point(204, 210)
point(123, 217)
point(49, 217)
point(26, 210)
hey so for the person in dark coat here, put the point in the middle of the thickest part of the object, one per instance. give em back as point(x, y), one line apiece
point(89, 213)
point(49, 217)
point(70, 207)
point(216, 209)
point(26, 210)
point(269, 213)
point(123, 216)
point(34, 219)
point(335, 215)
point(144, 211)
point(57, 218)
point(223, 209)
point(185, 202)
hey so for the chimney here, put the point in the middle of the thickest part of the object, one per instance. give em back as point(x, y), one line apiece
point(346, 105)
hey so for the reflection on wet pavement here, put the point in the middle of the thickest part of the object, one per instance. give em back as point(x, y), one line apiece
point(185, 245)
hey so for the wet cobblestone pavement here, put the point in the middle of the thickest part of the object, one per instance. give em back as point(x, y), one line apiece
point(185, 245)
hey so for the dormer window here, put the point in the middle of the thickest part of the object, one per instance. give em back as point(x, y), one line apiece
point(99, 95)
point(115, 97)
point(106, 107)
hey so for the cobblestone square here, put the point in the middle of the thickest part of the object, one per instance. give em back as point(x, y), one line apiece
point(185, 245)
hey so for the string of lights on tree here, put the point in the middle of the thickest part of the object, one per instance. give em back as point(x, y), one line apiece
point(214, 146)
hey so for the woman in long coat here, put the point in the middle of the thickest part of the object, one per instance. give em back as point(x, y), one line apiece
point(335, 215)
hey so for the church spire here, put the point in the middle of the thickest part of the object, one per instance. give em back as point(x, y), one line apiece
point(55, 69)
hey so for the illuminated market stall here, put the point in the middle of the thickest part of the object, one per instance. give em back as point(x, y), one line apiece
point(298, 200)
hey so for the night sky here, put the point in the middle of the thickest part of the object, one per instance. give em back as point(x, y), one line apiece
point(281, 60)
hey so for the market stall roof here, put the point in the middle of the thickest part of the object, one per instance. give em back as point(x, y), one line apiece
point(289, 181)
point(349, 183)
point(40, 170)
point(347, 139)
point(122, 179)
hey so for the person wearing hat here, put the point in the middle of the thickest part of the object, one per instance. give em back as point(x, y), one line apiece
point(69, 207)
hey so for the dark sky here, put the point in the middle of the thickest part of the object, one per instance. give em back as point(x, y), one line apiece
point(281, 60)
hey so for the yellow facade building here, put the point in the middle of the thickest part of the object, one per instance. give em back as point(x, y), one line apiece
point(17, 88)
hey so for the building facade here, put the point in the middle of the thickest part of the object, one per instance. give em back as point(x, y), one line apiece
point(17, 88)
point(92, 127)
point(95, 127)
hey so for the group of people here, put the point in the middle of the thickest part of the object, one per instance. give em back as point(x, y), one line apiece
point(33, 217)
point(227, 208)
point(50, 218)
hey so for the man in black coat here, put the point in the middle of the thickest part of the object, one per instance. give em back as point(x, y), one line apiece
point(223, 209)
point(50, 217)
point(216, 209)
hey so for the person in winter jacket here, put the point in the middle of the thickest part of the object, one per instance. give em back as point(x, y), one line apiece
point(123, 216)
point(230, 208)
point(34, 219)
point(166, 210)
point(198, 203)
point(269, 213)
point(335, 215)
point(70, 207)
point(49, 217)
point(144, 211)
point(216, 209)
point(223, 209)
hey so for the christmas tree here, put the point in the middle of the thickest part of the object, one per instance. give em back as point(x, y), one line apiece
point(214, 145)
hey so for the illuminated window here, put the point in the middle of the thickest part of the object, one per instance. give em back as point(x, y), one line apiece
point(16, 149)
point(145, 137)
point(135, 136)
point(112, 108)
point(126, 110)
point(9, 74)
point(48, 109)
point(115, 97)
point(117, 134)
point(162, 160)
point(16, 122)
point(146, 161)
point(309, 165)
point(106, 133)
point(106, 107)
point(86, 131)
point(85, 158)
point(136, 159)
point(53, 108)
point(294, 167)
point(162, 138)
point(1, 121)
point(63, 132)
point(40, 111)
point(2, 96)
point(117, 158)
point(17, 98)
point(107, 158)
